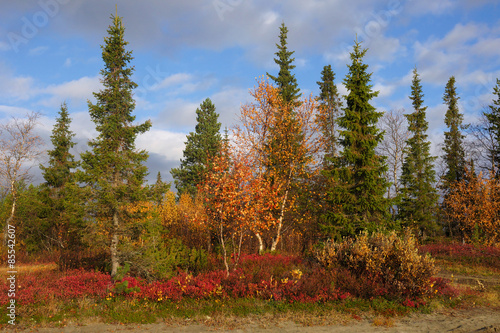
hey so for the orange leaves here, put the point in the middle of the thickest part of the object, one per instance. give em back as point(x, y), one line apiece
point(280, 142)
point(267, 118)
point(474, 204)
point(222, 191)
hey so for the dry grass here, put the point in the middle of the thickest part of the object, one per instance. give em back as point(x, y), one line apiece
point(383, 321)
point(27, 268)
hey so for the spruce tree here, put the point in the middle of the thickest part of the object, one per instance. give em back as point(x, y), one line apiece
point(357, 197)
point(454, 153)
point(328, 111)
point(493, 117)
point(60, 193)
point(418, 176)
point(286, 81)
point(285, 134)
point(159, 189)
point(201, 145)
point(61, 161)
point(114, 170)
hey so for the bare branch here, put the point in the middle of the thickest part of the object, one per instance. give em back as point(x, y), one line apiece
point(393, 146)
point(19, 148)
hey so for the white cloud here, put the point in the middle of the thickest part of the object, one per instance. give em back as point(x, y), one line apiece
point(82, 126)
point(173, 80)
point(385, 90)
point(342, 90)
point(16, 87)
point(460, 48)
point(165, 143)
point(13, 111)
point(384, 48)
point(269, 18)
point(460, 35)
point(177, 113)
point(76, 90)
point(435, 116)
point(228, 104)
point(487, 47)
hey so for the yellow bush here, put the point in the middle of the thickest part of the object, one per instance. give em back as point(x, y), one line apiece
point(393, 259)
point(473, 207)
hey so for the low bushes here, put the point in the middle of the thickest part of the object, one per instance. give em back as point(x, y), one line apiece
point(43, 286)
point(368, 267)
point(384, 262)
point(469, 254)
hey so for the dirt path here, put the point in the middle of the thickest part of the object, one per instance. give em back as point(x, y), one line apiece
point(455, 321)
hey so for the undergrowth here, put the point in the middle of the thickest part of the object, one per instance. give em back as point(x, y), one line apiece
point(260, 286)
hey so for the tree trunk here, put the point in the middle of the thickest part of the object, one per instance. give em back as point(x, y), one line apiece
point(282, 214)
point(114, 245)
point(261, 243)
point(224, 249)
point(237, 253)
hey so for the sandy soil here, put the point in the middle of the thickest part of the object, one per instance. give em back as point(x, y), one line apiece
point(456, 321)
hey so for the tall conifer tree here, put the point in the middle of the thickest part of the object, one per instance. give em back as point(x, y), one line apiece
point(454, 153)
point(60, 193)
point(288, 132)
point(286, 81)
point(358, 195)
point(418, 176)
point(159, 189)
point(328, 112)
point(114, 169)
point(201, 145)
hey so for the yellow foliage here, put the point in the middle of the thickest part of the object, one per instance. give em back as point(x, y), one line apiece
point(168, 209)
point(473, 204)
point(394, 258)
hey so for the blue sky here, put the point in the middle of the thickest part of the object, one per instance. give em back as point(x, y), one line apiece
point(186, 51)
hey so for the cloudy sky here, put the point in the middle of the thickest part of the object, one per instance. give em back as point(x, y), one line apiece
point(186, 51)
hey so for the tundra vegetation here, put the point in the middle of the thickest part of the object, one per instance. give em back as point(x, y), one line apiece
point(311, 204)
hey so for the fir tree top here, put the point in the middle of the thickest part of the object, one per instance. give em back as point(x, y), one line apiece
point(328, 90)
point(61, 161)
point(453, 138)
point(286, 81)
point(201, 144)
point(115, 103)
point(358, 84)
point(329, 110)
point(453, 119)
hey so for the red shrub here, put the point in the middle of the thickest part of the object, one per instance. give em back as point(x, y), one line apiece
point(38, 287)
point(268, 277)
point(468, 253)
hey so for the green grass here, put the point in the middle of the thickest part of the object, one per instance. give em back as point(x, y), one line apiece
point(225, 313)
